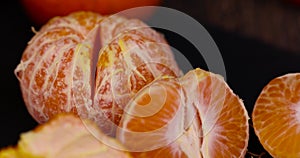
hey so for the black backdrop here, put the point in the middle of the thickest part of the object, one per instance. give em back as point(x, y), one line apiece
point(250, 64)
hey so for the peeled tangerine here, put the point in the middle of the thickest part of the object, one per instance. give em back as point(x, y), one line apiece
point(194, 116)
point(64, 136)
point(276, 116)
point(91, 65)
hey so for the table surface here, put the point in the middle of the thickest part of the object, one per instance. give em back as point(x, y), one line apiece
point(250, 64)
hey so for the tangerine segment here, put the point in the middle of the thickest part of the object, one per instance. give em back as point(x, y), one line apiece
point(54, 72)
point(154, 123)
point(186, 145)
point(276, 116)
point(113, 26)
point(63, 136)
point(223, 115)
point(125, 65)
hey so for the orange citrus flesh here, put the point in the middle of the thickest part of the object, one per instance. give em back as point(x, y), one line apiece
point(91, 65)
point(276, 116)
point(224, 118)
point(130, 61)
point(154, 123)
point(51, 74)
point(63, 136)
point(124, 68)
point(197, 115)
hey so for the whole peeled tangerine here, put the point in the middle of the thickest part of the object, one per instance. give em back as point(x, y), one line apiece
point(91, 65)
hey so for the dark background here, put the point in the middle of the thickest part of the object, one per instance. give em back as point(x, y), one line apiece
point(250, 64)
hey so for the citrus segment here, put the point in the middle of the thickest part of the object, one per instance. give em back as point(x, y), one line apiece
point(125, 65)
point(223, 115)
point(200, 117)
point(112, 26)
point(65, 135)
point(54, 72)
point(154, 122)
point(276, 116)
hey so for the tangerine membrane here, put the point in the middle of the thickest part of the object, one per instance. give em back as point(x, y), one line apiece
point(55, 69)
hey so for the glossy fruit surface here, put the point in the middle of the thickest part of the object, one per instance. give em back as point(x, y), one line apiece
point(41, 11)
point(276, 116)
point(197, 115)
point(91, 65)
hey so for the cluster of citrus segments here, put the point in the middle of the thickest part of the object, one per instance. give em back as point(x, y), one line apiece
point(121, 74)
point(65, 136)
point(196, 115)
point(276, 116)
point(91, 65)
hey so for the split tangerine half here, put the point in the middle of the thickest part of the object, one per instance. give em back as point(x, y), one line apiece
point(197, 115)
point(276, 116)
point(224, 117)
point(154, 122)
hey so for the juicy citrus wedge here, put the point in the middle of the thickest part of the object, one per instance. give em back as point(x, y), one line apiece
point(224, 117)
point(197, 115)
point(276, 116)
point(155, 120)
point(65, 136)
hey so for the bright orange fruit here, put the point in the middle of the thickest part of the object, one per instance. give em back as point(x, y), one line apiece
point(154, 122)
point(224, 117)
point(276, 116)
point(133, 59)
point(91, 65)
point(197, 115)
